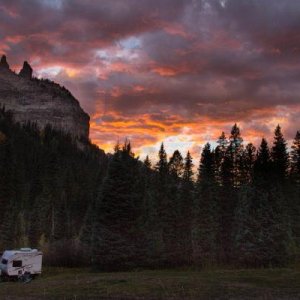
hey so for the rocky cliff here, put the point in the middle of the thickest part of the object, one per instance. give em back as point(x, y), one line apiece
point(41, 101)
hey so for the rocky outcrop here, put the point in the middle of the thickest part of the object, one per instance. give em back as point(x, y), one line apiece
point(26, 71)
point(41, 101)
point(3, 62)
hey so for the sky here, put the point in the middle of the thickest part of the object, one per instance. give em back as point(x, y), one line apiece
point(172, 71)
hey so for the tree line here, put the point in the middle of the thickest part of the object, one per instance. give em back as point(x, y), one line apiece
point(112, 212)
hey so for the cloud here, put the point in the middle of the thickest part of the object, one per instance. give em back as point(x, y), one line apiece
point(148, 69)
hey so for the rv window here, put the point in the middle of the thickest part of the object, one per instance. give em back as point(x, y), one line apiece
point(17, 264)
point(4, 261)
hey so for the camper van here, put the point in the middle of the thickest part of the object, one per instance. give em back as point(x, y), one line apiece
point(23, 264)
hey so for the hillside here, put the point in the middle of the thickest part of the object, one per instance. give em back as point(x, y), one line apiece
point(46, 185)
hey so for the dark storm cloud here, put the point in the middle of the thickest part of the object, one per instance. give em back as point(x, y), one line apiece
point(64, 29)
point(271, 24)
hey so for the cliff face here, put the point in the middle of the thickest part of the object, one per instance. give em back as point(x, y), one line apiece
point(41, 101)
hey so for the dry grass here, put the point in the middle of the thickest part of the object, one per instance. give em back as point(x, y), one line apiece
point(59, 283)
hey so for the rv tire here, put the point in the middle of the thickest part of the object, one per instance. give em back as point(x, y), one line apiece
point(25, 278)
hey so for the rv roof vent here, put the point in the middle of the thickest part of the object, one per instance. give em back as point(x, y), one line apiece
point(25, 249)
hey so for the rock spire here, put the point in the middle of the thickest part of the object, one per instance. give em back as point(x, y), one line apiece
point(3, 62)
point(26, 71)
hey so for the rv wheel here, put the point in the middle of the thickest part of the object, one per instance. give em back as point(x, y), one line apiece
point(26, 277)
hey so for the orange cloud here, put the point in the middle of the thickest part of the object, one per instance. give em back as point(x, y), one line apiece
point(168, 71)
point(146, 132)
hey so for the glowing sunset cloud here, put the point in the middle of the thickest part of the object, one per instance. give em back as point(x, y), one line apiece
point(178, 71)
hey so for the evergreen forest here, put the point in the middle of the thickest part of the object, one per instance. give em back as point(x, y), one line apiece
point(239, 206)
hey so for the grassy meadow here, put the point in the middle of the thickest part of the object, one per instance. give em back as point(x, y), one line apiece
point(62, 283)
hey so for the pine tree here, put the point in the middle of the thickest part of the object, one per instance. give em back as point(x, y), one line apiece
point(262, 166)
point(207, 165)
point(188, 169)
point(8, 227)
point(185, 205)
point(269, 204)
point(147, 162)
point(278, 227)
point(246, 229)
point(262, 171)
point(236, 155)
point(231, 180)
point(247, 164)
point(294, 191)
point(7, 187)
point(150, 217)
point(127, 148)
point(89, 233)
point(279, 155)
point(176, 165)
point(205, 216)
point(222, 142)
point(167, 209)
point(227, 197)
point(162, 164)
point(119, 209)
point(219, 156)
point(174, 182)
point(295, 160)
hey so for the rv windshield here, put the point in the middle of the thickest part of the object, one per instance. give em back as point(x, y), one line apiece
point(4, 261)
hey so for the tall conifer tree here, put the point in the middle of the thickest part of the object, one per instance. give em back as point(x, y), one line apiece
point(294, 191)
point(185, 204)
point(206, 210)
point(279, 155)
point(119, 207)
point(295, 160)
point(176, 165)
point(219, 156)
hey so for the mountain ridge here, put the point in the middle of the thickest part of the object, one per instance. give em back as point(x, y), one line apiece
point(41, 101)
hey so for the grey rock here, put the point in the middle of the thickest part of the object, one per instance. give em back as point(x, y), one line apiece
point(26, 71)
point(42, 101)
point(3, 62)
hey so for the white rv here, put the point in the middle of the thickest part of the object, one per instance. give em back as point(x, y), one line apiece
point(24, 263)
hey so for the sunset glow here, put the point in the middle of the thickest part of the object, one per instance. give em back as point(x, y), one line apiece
point(173, 71)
